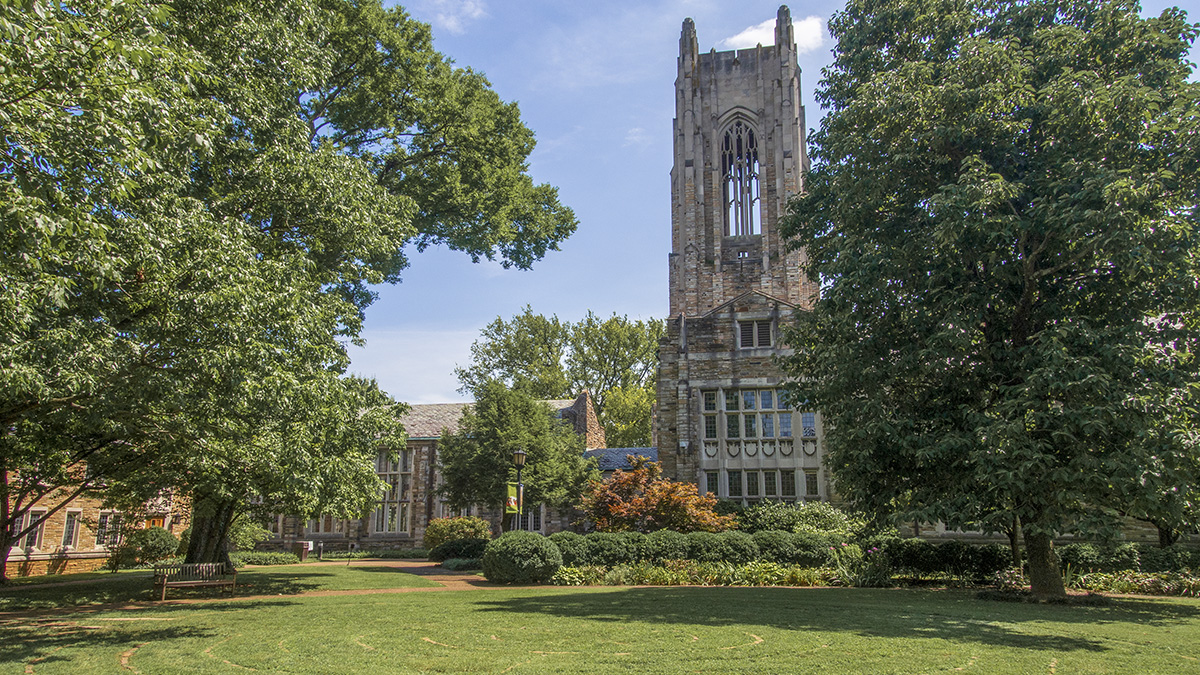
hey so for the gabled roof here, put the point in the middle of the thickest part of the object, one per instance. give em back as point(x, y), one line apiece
point(745, 296)
point(425, 421)
point(611, 459)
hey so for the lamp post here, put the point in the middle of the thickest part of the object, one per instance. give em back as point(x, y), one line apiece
point(519, 461)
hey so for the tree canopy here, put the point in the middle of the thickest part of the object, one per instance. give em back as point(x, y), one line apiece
point(197, 198)
point(641, 500)
point(476, 461)
point(1002, 214)
point(616, 359)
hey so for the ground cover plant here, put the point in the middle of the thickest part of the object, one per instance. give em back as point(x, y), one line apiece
point(135, 585)
point(604, 630)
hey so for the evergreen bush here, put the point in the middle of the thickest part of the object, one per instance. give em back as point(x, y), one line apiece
point(574, 549)
point(520, 557)
point(737, 548)
point(441, 530)
point(143, 547)
point(664, 545)
point(462, 564)
point(241, 558)
point(609, 549)
point(471, 547)
point(703, 547)
point(1174, 558)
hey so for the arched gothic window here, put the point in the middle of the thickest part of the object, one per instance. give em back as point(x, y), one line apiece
point(739, 180)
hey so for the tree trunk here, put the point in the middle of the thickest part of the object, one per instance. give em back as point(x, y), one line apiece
point(210, 531)
point(1014, 541)
point(1167, 535)
point(1045, 577)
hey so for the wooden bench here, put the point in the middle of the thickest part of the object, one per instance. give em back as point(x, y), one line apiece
point(193, 574)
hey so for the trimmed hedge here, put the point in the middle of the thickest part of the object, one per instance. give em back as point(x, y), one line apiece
point(263, 558)
point(807, 549)
point(573, 547)
point(471, 547)
point(463, 564)
point(609, 549)
point(519, 557)
point(664, 545)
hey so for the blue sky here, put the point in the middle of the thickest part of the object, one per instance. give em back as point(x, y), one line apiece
point(595, 82)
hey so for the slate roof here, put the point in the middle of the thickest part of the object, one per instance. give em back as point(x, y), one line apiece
point(611, 459)
point(426, 420)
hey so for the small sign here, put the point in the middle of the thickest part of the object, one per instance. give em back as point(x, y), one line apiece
point(510, 504)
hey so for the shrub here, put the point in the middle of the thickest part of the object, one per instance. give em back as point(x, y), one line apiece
point(458, 548)
point(519, 557)
point(462, 564)
point(823, 517)
point(574, 550)
point(794, 548)
point(245, 534)
point(664, 545)
point(634, 541)
point(1174, 558)
point(263, 558)
point(989, 559)
point(913, 556)
point(1129, 581)
point(737, 548)
point(586, 575)
point(608, 549)
point(703, 547)
point(441, 530)
point(768, 516)
point(1102, 558)
point(143, 547)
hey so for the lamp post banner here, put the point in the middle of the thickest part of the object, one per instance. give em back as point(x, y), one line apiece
point(510, 504)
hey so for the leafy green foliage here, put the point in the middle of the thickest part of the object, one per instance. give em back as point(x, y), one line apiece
point(245, 534)
point(691, 573)
point(614, 359)
point(476, 461)
point(663, 545)
point(469, 547)
point(520, 557)
point(440, 530)
point(573, 547)
point(462, 564)
point(241, 558)
point(1002, 216)
point(143, 547)
point(198, 197)
point(609, 549)
point(795, 548)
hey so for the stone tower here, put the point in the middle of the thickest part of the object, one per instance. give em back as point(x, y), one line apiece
point(723, 421)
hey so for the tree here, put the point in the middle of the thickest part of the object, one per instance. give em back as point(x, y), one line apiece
point(1002, 216)
point(642, 500)
point(553, 359)
point(477, 461)
point(198, 198)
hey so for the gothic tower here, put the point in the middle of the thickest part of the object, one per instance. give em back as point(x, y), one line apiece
point(722, 419)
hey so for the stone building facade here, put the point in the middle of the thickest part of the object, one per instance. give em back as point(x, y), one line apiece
point(63, 535)
point(412, 500)
point(724, 421)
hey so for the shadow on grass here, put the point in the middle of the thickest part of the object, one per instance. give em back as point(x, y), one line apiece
point(42, 640)
point(947, 615)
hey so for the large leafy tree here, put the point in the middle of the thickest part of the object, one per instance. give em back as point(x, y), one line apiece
point(197, 198)
point(615, 359)
point(476, 461)
point(1003, 218)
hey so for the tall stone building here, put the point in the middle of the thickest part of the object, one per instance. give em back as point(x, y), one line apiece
point(723, 420)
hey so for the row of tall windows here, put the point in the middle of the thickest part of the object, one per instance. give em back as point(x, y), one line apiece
point(392, 514)
point(751, 414)
point(764, 484)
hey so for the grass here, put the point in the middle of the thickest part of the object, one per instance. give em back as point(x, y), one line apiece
point(604, 630)
point(136, 585)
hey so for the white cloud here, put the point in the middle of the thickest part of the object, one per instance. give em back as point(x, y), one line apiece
point(809, 33)
point(762, 34)
point(452, 15)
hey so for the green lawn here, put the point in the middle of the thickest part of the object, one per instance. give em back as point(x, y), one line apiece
point(105, 588)
point(607, 630)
